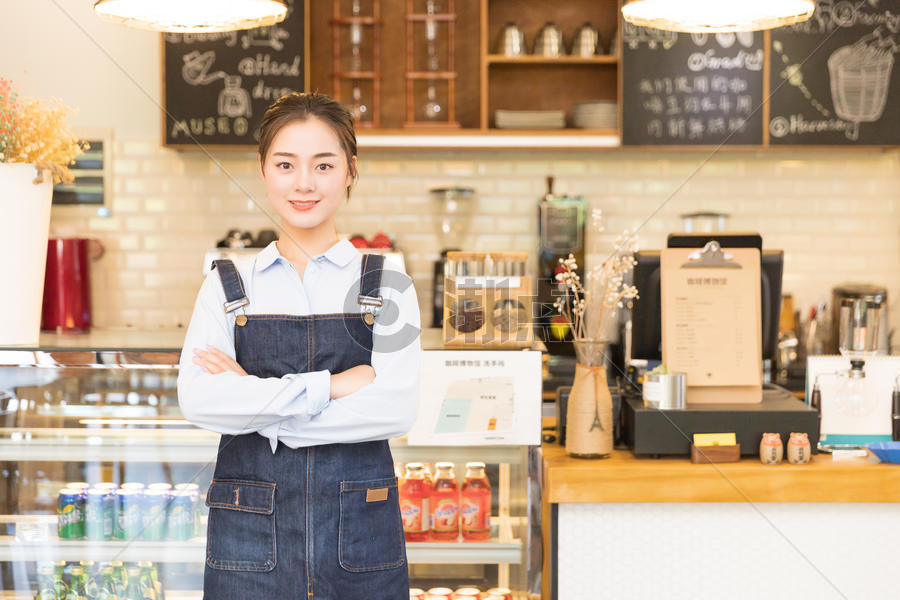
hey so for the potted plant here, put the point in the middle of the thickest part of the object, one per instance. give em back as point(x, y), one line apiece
point(36, 147)
point(590, 309)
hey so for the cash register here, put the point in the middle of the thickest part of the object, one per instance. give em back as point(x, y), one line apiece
point(655, 432)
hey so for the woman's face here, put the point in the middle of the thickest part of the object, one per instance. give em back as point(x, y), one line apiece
point(306, 173)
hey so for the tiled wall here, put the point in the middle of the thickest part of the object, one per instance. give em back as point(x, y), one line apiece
point(836, 213)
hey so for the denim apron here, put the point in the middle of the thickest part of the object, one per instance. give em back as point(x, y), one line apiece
point(321, 522)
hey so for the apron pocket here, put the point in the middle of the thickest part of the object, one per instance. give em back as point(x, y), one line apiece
point(241, 530)
point(371, 530)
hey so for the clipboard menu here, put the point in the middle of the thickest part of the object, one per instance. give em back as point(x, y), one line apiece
point(711, 322)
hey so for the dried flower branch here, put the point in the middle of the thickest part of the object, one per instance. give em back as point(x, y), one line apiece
point(591, 311)
point(35, 132)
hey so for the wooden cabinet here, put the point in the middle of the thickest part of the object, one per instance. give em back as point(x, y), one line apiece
point(485, 81)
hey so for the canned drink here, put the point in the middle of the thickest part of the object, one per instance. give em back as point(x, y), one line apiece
point(153, 513)
point(416, 594)
point(466, 592)
point(128, 513)
point(78, 485)
point(181, 515)
point(194, 489)
point(440, 592)
point(136, 485)
point(105, 485)
point(495, 597)
point(99, 514)
point(70, 514)
point(503, 592)
point(160, 486)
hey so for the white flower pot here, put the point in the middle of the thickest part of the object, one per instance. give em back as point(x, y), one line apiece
point(24, 229)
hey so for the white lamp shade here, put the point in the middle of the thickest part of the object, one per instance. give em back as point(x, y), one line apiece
point(715, 16)
point(192, 16)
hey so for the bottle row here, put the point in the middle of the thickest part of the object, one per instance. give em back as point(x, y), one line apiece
point(131, 511)
point(87, 580)
point(462, 593)
point(437, 508)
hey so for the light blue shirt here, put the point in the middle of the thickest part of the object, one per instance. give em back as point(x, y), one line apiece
point(296, 409)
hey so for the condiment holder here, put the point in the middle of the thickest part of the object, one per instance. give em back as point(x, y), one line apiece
point(487, 300)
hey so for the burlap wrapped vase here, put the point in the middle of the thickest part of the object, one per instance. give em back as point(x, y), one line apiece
point(589, 423)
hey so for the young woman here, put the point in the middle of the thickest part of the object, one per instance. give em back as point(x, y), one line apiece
point(306, 360)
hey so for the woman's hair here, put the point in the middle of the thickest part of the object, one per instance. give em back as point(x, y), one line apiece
point(299, 106)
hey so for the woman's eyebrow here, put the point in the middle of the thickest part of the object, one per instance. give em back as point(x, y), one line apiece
point(292, 155)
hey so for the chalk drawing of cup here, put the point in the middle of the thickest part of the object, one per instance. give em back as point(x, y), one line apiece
point(860, 80)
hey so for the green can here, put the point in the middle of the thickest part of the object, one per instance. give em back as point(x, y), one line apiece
point(181, 516)
point(70, 514)
point(99, 514)
point(128, 514)
point(153, 513)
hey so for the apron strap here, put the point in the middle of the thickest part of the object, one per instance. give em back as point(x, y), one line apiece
point(370, 282)
point(235, 297)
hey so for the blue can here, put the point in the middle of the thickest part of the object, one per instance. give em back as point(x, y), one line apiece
point(128, 513)
point(99, 514)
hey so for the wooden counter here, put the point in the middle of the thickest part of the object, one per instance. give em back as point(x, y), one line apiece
point(625, 478)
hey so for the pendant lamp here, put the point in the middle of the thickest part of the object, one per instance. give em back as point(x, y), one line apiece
point(192, 16)
point(716, 16)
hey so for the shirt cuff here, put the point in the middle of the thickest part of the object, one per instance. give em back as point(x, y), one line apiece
point(318, 391)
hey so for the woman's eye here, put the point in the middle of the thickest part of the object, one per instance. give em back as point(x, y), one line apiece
point(324, 167)
point(281, 165)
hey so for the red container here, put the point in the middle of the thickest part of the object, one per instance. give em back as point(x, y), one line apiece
point(67, 286)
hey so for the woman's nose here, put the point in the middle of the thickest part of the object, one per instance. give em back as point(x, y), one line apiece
point(305, 181)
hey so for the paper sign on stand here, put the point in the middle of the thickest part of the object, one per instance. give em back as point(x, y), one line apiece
point(711, 322)
point(474, 397)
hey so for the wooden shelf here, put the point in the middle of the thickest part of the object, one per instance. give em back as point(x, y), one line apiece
point(489, 138)
point(434, 17)
point(600, 59)
point(432, 75)
point(356, 21)
point(356, 75)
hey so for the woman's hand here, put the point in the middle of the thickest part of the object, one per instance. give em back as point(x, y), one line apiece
point(352, 380)
point(215, 361)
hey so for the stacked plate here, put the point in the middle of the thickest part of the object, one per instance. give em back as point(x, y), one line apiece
point(530, 119)
point(601, 114)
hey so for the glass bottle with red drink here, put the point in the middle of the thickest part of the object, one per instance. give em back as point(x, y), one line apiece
point(475, 502)
point(415, 495)
point(445, 504)
point(429, 483)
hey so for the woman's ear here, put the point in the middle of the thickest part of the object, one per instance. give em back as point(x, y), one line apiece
point(353, 171)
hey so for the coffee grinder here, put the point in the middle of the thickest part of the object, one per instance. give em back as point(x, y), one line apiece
point(453, 220)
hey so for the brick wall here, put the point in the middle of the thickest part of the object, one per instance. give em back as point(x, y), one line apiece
point(835, 213)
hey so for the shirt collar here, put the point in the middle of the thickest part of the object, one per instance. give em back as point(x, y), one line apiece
point(341, 253)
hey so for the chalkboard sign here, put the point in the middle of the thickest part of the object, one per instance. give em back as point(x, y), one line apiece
point(687, 89)
point(833, 79)
point(218, 85)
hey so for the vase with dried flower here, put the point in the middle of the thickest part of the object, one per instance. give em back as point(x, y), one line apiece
point(36, 147)
point(590, 310)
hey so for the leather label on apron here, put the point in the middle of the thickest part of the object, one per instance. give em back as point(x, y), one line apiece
point(376, 495)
